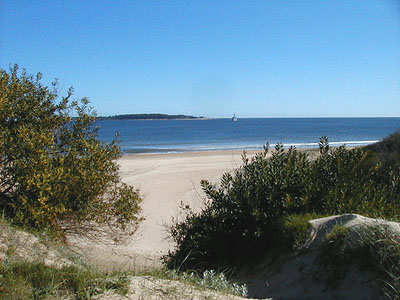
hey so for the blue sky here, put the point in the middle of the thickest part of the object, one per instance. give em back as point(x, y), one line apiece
point(213, 58)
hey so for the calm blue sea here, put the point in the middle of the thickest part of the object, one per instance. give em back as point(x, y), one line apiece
point(163, 136)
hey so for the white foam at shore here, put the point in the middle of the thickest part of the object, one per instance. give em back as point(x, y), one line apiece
point(176, 149)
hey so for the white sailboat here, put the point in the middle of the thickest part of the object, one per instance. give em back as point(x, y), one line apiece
point(234, 119)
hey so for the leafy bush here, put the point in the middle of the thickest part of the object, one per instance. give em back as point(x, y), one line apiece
point(245, 215)
point(54, 172)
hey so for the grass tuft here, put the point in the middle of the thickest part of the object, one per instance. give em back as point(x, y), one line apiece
point(209, 279)
point(35, 280)
point(295, 230)
point(374, 248)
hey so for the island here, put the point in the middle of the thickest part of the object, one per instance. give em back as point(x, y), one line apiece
point(154, 116)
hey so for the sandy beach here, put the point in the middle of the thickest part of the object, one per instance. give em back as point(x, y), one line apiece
point(165, 181)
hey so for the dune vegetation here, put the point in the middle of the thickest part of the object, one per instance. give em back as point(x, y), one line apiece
point(264, 208)
point(254, 207)
point(37, 266)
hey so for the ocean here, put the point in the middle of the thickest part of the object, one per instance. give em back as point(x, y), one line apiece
point(175, 136)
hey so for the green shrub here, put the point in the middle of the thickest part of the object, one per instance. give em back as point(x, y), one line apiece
point(245, 215)
point(54, 172)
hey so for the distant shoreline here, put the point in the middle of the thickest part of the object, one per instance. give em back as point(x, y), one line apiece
point(188, 117)
point(112, 119)
point(154, 116)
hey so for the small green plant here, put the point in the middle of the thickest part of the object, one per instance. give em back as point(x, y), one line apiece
point(295, 230)
point(210, 280)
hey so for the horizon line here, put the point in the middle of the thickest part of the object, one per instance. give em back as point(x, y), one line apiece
point(246, 117)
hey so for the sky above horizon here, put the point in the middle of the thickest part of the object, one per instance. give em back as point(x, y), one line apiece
point(213, 58)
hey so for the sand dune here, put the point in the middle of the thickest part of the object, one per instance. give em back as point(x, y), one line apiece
point(301, 276)
point(167, 180)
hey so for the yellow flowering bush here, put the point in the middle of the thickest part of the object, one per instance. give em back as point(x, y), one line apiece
point(54, 171)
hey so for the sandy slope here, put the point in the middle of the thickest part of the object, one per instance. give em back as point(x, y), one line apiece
point(302, 277)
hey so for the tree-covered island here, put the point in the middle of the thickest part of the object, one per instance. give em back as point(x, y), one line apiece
point(154, 116)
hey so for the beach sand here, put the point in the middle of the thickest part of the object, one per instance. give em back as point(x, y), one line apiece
point(164, 181)
point(167, 180)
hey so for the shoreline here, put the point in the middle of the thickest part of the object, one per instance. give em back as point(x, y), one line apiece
point(298, 146)
point(192, 153)
point(183, 119)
